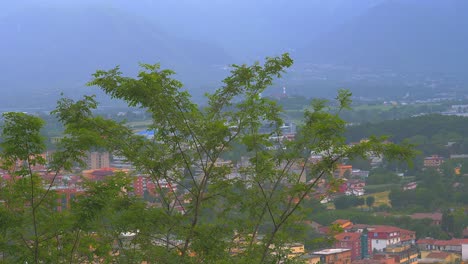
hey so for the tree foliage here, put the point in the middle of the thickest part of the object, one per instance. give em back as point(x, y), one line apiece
point(212, 215)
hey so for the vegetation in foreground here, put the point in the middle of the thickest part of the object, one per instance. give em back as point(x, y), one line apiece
point(210, 217)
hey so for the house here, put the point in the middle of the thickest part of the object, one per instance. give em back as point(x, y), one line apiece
point(383, 236)
point(380, 236)
point(433, 161)
point(360, 174)
point(410, 186)
point(407, 237)
point(353, 183)
point(465, 252)
point(436, 218)
point(355, 187)
point(334, 256)
point(350, 241)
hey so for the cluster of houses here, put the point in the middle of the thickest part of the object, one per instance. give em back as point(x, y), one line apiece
point(381, 244)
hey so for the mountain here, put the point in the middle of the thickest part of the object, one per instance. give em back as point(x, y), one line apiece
point(411, 36)
point(45, 50)
point(250, 29)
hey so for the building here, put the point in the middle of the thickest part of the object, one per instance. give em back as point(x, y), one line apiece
point(98, 160)
point(343, 169)
point(407, 237)
point(459, 156)
point(453, 245)
point(121, 162)
point(403, 254)
point(310, 259)
point(139, 186)
point(355, 187)
point(433, 161)
point(289, 250)
point(350, 241)
point(334, 256)
point(65, 195)
point(144, 186)
point(359, 173)
point(383, 260)
point(383, 236)
point(410, 186)
point(465, 251)
point(294, 250)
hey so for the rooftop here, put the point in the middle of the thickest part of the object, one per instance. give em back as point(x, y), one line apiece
point(330, 251)
point(384, 229)
point(452, 242)
point(438, 255)
point(348, 236)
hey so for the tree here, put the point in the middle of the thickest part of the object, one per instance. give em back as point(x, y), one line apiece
point(370, 201)
point(206, 214)
point(345, 202)
point(382, 176)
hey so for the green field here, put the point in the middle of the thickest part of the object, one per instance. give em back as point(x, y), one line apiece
point(381, 198)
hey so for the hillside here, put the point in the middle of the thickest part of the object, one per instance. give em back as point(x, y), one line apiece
point(48, 50)
point(401, 35)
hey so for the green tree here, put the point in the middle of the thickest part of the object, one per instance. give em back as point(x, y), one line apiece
point(211, 214)
point(370, 200)
point(382, 176)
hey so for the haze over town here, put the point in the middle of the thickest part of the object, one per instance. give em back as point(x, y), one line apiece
point(234, 131)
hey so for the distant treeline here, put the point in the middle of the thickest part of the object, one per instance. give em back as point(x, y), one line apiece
point(432, 134)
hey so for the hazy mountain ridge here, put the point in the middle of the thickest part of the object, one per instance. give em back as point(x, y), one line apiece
point(410, 36)
point(58, 49)
point(53, 46)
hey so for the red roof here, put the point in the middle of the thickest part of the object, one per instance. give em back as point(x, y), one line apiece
point(407, 235)
point(425, 241)
point(324, 230)
point(435, 242)
point(385, 229)
point(348, 236)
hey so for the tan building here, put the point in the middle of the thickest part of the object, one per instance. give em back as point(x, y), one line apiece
point(98, 160)
point(310, 259)
point(334, 256)
point(403, 254)
point(289, 250)
point(295, 250)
